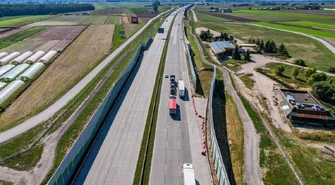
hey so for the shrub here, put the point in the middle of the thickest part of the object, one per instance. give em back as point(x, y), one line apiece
point(300, 62)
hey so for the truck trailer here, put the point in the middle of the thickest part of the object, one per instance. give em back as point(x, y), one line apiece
point(181, 88)
point(173, 105)
point(188, 174)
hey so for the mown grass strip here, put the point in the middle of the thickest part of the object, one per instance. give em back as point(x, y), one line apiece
point(20, 36)
point(297, 29)
point(142, 173)
point(117, 39)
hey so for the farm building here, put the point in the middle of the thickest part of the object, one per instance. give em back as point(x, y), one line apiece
point(34, 70)
point(5, 60)
point(34, 58)
point(4, 69)
point(302, 108)
point(2, 85)
point(246, 45)
point(3, 54)
point(21, 58)
point(15, 72)
point(48, 57)
point(10, 90)
point(221, 46)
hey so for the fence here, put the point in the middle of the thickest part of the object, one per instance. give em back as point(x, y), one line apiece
point(69, 164)
point(190, 62)
point(217, 157)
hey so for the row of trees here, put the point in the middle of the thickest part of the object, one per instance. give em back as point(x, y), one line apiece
point(208, 36)
point(41, 9)
point(237, 56)
point(270, 47)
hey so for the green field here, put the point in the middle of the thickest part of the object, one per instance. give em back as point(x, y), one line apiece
point(17, 22)
point(114, 19)
point(19, 36)
point(314, 53)
point(209, 18)
point(297, 29)
point(139, 10)
point(131, 29)
point(311, 24)
point(96, 19)
point(276, 16)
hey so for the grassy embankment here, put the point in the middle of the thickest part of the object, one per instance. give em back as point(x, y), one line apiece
point(314, 53)
point(228, 129)
point(20, 21)
point(247, 80)
point(298, 29)
point(20, 36)
point(117, 39)
point(311, 24)
point(70, 136)
point(143, 166)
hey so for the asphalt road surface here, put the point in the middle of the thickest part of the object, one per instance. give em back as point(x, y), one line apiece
point(173, 145)
point(61, 102)
point(113, 158)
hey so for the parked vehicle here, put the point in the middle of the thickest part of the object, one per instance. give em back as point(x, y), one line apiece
point(181, 88)
point(188, 174)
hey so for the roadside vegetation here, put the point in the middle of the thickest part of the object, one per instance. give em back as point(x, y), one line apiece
point(235, 134)
point(247, 80)
point(117, 39)
point(311, 24)
point(2, 182)
point(7, 41)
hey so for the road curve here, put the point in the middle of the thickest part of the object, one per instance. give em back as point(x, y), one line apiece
point(330, 47)
point(61, 102)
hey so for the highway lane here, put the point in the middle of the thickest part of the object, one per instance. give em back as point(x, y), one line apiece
point(113, 158)
point(173, 144)
point(61, 102)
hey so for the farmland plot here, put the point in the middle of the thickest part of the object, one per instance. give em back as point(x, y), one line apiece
point(17, 22)
point(95, 19)
point(62, 20)
point(72, 65)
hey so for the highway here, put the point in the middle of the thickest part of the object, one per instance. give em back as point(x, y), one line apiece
point(62, 101)
point(177, 139)
point(113, 157)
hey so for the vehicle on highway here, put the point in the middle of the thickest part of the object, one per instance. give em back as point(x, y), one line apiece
point(172, 89)
point(173, 105)
point(166, 76)
point(188, 174)
point(172, 78)
point(181, 88)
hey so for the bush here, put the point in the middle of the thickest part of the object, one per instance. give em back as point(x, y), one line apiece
point(309, 71)
point(278, 70)
point(300, 62)
point(317, 77)
point(331, 70)
point(324, 90)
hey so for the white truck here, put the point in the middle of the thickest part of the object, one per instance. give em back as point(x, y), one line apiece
point(188, 174)
point(181, 88)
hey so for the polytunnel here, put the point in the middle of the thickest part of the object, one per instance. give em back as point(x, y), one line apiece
point(2, 54)
point(9, 58)
point(4, 69)
point(10, 90)
point(32, 71)
point(15, 72)
point(47, 57)
point(2, 85)
point(33, 58)
point(21, 58)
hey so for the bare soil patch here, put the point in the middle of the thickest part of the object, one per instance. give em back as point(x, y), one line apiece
point(145, 17)
point(200, 29)
point(228, 16)
point(124, 19)
point(59, 33)
point(8, 32)
point(72, 65)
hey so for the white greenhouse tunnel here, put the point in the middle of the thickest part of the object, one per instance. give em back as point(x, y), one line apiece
point(3, 54)
point(32, 71)
point(34, 58)
point(47, 57)
point(2, 85)
point(15, 72)
point(5, 69)
point(10, 90)
point(9, 58)
point(21, 58)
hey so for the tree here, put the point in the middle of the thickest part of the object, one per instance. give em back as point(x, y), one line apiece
point(236, 55)
point(278, 70)
point(157, 3)
point(273, 47)
point(331, 69)
point(261, 45)
point(247, 56)
point(295, 72)
point(267, 47)
point(155, 7)
point(317, 77)
point(324, 90)
point(300, 62)
point(283, 51)
point(203, 35)
point(308, 72)
point(231, 38)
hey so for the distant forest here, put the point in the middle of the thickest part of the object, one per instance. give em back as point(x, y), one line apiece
point(41, 9)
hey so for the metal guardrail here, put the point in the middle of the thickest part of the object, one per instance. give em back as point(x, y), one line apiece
point(67, 167)
point(216, 153)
